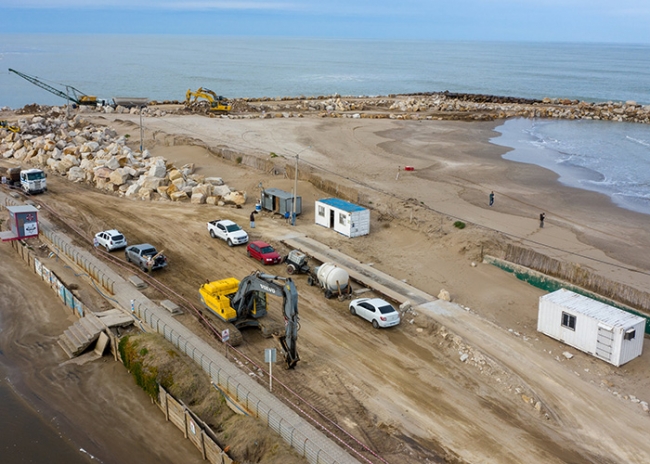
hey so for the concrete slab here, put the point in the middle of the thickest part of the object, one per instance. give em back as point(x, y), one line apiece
point(101, 344)
point(137, 282)
point(171, 307)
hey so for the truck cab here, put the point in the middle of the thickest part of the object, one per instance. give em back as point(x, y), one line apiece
point(33, 181)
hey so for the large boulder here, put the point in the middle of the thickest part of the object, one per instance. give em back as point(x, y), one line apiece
point(203, 189)
point(132, 190)
point(175, 174)
point(213, 180)
point(235, 198)
point(179, 196)
point(112, 163)
point(76, 174)
point(198, 198)
point(119, 176)
point(220, 190)
point(151, 183)
point(102, 173)
point(158, 169)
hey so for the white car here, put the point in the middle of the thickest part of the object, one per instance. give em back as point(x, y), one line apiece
point(381, 313)
point(110, 239)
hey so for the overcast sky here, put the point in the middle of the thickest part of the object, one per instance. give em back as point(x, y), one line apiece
point(620, 21)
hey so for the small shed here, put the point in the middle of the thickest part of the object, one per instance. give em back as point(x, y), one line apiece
point(344, 217)
point(608, 333)
point(279, 201)
point(23, 222)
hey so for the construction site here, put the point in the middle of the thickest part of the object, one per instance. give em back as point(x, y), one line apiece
point(464, 378)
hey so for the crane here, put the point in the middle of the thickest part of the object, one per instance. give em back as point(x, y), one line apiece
point(77, 96)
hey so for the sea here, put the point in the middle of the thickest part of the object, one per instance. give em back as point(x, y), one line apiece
point(611, 158)
point(608, 157)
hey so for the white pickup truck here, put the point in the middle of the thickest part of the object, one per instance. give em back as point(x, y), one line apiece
point(228, 231)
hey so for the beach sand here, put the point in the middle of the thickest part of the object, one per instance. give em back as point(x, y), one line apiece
point(473, 413)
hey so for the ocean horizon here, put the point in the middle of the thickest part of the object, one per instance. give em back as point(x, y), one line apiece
point(161, 67)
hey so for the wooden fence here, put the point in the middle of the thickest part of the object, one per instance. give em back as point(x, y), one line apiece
point(193, 428)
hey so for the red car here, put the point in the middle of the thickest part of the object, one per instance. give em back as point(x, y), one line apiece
point(264, 252)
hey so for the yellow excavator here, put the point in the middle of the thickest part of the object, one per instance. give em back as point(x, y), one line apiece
point(9, 127)
point(218, 104)
point(238, 304)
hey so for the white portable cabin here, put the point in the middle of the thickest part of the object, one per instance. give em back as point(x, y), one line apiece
point(344, 217)
point(608, 333)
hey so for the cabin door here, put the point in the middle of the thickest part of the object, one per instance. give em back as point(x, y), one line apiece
point(604, 342)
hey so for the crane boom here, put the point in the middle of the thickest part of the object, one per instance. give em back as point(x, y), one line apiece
point(79, 97)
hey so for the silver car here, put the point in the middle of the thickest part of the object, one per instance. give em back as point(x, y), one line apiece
point(381, 313)
point(110, 239)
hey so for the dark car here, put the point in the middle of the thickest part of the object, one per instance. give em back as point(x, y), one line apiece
point(263, 252)
point(146, 257)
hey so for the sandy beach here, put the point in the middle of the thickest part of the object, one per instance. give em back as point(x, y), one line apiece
point(474, 413)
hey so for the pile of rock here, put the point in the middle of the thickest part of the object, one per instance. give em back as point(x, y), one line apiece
point(447, 105)
point(96, 155)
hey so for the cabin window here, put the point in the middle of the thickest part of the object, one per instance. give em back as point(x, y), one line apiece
point(342, 218)
point(629, 334)
point(568, 321)
point(321, 210)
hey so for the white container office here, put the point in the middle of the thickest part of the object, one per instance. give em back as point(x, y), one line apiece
point(344, 217)
point(608, 333)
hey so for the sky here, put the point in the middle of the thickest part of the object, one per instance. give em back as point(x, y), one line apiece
point(600, 21)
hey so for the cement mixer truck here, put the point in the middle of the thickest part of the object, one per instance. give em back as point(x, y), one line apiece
point(333, 280)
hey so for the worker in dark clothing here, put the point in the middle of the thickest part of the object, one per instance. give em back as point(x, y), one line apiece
point(542, 216)
point(253, 219)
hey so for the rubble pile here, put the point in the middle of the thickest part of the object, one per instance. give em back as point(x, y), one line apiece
point(82, 152)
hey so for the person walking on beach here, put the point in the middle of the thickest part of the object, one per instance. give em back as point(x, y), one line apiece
point(542, 216)
point(252, 218)
point(492, 198)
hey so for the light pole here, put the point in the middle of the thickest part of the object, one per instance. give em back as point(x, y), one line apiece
point(295, 188)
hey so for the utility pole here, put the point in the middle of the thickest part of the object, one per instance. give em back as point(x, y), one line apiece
point(295, 194)
point(141, 131)
point(295, 188)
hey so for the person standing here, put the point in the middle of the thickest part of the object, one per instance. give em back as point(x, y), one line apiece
point(252, 218)
point(491, 198)
point(542, 216)
point(286, 217)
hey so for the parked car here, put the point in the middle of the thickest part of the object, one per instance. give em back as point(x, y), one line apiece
point(110, 239)
point(146, 257)
point(228, 231)
point(263, 252)
point(381, 313)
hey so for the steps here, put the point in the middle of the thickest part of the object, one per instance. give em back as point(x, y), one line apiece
point(81, 335)
point(84, 332)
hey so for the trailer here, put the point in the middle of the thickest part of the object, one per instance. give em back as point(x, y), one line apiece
point(344, 217)
point(279, 201)
point(596, 328)
point(23, 223)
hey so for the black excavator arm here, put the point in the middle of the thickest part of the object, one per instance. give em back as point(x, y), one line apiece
point(242, 302)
